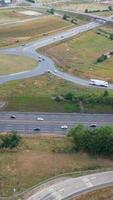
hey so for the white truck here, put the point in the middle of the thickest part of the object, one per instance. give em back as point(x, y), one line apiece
point(98, 83)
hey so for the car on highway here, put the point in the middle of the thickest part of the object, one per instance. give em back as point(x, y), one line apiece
point(55, 37)
point(62, 36)
point(37, 129)
point(64, 127)
point(93, 125)
point(55, 71)
point(40, 118)
point(13, 116)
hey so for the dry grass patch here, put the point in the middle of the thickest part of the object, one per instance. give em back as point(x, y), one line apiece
point(37, 161)
point(11, 34)
point(13, 64)
point(8, 15)
point(102, 194)
point(82, 6)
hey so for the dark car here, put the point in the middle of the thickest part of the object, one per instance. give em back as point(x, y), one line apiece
point(93, 125)
point(37, 129)
point(13, 117)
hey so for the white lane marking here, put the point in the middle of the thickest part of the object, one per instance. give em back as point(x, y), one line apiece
point(18, 73)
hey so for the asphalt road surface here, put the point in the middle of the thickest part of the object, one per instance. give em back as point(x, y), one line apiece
point(46, 64)
point(70, 187)
point(26, 122)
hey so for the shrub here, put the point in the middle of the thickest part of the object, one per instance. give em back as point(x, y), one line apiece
point(97, 141)
point(102, 58)
point(10, 141)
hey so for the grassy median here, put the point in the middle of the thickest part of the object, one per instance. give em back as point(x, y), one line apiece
point(13, 64)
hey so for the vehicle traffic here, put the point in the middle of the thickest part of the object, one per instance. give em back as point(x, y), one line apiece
point(64, 127)
point(13, 116)
point(98, 82)
point(40, 118)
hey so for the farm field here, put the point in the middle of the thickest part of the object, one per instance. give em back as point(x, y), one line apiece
point(13, 64)
point(41, 157)
point(78, 55)
point(82, 6)
point(37, 95)
point(24, 32)
point(101, 194)
point(10, 15)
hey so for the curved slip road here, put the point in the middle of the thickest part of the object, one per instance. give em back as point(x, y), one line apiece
point(72, 187)
point(46, 64)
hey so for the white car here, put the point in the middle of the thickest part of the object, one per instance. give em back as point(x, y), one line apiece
point(55, 71)
point(40, 118)
point(64, 127)
point(55, 37)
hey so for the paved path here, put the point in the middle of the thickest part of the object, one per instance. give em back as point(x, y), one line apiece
point(74, 186)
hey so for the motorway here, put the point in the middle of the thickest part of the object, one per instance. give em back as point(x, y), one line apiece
point(25, 122)
point(46, 64)
point(64, 190)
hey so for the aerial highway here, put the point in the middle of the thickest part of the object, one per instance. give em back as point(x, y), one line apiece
point(46, 64)
point(27, 122)
point(72, 187)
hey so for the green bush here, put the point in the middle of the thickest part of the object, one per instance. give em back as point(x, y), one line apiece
point(96, 141)
point(10, 141)
point(102, 58)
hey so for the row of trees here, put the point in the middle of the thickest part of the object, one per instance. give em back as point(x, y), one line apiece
point(90, 98)
point(97, 141)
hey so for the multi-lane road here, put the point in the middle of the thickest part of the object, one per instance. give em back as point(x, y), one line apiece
point(51, 123)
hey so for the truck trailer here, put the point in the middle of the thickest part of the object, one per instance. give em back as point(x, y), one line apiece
point(98, 83)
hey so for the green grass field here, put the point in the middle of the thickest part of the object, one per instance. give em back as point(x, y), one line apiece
point(36, 94)
point(36, 161)
point(79, 55)
point(13, 64)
